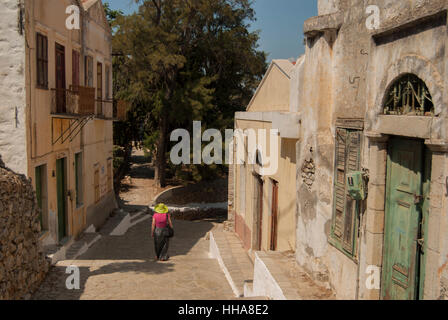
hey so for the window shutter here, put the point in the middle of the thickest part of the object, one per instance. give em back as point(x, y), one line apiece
point(348, 154)
point(353, 164)
point(41, 60)
point(340, 192)
point(45, 62)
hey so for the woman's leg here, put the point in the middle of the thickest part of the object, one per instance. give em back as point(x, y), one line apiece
point(158, 243)
point(164, 252)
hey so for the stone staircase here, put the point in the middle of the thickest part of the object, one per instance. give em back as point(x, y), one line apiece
point(233, 259)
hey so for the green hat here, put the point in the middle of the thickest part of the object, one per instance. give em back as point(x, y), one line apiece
point(161, 208)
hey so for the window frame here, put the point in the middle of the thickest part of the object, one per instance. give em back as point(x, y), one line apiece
point(41, 61)
point(107, 85)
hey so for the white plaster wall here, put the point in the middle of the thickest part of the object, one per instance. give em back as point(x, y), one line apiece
point(264, 284)
point(12, 89)
point(296, 80)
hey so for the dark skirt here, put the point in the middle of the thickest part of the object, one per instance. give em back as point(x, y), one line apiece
point(161, 243)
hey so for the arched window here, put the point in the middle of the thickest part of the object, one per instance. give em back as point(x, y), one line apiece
point(409, 95)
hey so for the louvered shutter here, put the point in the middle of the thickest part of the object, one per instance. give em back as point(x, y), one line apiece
point(340, 192)
point(348, 151)
point(353, 164)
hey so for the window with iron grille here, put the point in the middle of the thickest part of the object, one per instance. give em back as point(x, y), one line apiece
point(41, 61)
point(345, 210)
point(409, 95)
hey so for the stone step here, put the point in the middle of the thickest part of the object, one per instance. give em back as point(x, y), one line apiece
point(232, 258)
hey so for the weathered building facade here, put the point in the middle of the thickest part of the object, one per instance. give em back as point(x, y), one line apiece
point(371, 107)
point(56, 125)
point(264, 219)
point(373, 104)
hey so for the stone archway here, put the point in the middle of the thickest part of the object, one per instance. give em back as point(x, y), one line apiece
point(433, 128)
point(408, 95)
point(420, 67)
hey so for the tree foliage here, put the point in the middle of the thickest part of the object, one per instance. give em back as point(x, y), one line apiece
point(185, 60)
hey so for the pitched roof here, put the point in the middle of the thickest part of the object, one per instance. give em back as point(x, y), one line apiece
point(285, 65)
point(88, 3)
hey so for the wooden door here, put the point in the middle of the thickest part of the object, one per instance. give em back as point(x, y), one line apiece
point(60, 79)
point(75, 70)
point(96, 183)
point(274, 216)
point(61, 194)
point(400, 277)
point(258, 213)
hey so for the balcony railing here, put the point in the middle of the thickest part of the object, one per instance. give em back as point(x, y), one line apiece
point(76, 101)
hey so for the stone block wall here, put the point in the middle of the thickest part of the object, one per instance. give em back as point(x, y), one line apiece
point(22, 263)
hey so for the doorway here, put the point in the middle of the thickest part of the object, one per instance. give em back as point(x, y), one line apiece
point(60, 79)
point(258, 213)
point(407, 205)
point(61, 165)
point(274, 216)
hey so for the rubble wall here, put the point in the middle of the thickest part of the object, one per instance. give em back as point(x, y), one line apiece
point(22, 263)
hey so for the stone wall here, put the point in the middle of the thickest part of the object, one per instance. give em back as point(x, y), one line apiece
point(22, 263)
point(12, 87)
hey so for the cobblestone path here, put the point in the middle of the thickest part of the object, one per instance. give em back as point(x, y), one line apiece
point(123, 267)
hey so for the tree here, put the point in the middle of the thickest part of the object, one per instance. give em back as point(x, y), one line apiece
point(185, 60)
point(111, 15)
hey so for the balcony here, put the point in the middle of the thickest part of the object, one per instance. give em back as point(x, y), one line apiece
point(76, 102)
point(77, 105)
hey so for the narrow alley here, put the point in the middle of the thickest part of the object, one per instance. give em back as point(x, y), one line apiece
point(124, 267)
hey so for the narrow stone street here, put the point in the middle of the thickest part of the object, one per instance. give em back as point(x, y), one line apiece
point(124, 267)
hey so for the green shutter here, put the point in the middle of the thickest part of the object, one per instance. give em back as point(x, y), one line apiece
point(353, 164)
point(38, 179)
point(347, 159)
point(338, 222)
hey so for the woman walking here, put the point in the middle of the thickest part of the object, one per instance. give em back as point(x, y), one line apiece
point(160, 232)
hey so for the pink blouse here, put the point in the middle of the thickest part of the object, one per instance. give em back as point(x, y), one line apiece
point(161, 219)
